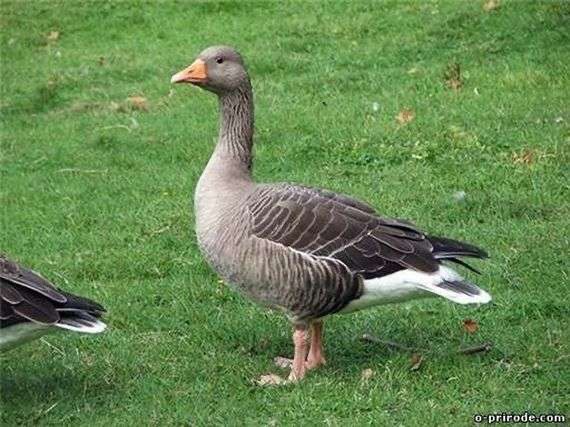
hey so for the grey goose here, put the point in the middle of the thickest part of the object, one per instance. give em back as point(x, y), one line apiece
point(306, 251)
point(30, 307)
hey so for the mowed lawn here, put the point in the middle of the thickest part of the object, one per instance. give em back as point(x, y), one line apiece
point(447, 113)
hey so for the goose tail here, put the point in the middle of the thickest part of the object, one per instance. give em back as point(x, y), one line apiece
point(81, 315)
point(81, 322)
point(450, 285)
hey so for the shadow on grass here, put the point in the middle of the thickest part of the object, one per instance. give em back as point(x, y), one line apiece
point(46, 388)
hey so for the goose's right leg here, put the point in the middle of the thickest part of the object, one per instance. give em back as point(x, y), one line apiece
point(316, 356)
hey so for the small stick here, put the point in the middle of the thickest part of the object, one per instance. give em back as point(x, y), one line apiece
point(127, 128)
point(74, 170)
point(392, 344)
point(59, 350)
point(476, 349)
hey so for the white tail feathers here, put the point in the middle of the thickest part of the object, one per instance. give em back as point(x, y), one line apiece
point(82, 322)
point(450, 285)
point(461, 292)
point(410, 284)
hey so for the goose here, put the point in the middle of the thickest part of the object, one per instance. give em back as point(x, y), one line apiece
point(306, 251)
point(31, 306)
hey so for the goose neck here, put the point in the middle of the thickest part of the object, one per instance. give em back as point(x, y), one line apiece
point(236, 126)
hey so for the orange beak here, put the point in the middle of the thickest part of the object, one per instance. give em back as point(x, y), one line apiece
point(195, 73)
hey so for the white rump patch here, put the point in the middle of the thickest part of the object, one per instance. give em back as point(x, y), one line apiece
point(409, 284)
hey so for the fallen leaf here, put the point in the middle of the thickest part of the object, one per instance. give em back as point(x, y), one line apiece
point(470, 326)
point(416, 361)
point(270, 380)
point(138, 103)
point(526, 157)
point(405, 116)
point(367, 374)
point(491, 5)
point(52, 36)
point(452, 76)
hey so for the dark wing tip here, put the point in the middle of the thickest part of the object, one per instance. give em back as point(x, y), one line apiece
point(444, 247)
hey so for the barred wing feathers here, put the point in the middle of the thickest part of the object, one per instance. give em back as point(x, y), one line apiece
point(26, 298)
point(325, 224)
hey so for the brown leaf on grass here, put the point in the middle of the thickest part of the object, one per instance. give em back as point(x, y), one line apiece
point(491, 5)
point(470, 326)
point(52, 36)
point(366, 374)
point(452, 76)
point(138, 103)
point(405, 116)
point(416, 361)
point(526, 157)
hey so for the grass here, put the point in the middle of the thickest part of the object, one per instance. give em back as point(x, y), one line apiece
point(96, 194)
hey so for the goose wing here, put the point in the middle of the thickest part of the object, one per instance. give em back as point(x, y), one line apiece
point(326, 224)
point(25, 295)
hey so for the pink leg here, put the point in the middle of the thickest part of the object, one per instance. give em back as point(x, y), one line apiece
point(316, 354)
point(301, 347)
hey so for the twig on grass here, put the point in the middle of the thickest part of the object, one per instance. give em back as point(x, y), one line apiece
point(476, 348)
point(75, 170)
point(392, 344)
point(59, 350)
point(484, 347)
point(125, 127)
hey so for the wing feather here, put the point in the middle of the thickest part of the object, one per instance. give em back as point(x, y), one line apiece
point(26, 296)
point(325, 224)
point(17, 275)
point(10, 294)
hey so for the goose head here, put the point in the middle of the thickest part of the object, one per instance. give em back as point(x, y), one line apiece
point(219, 69)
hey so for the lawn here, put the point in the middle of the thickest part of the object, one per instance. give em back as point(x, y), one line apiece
point(448, 113)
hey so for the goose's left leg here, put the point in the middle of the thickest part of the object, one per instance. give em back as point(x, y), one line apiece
point(315, 350)
point(301, 342)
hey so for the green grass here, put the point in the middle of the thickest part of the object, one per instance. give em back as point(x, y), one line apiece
point(96, 194)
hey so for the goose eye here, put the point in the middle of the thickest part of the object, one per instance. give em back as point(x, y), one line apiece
point(219, 60)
